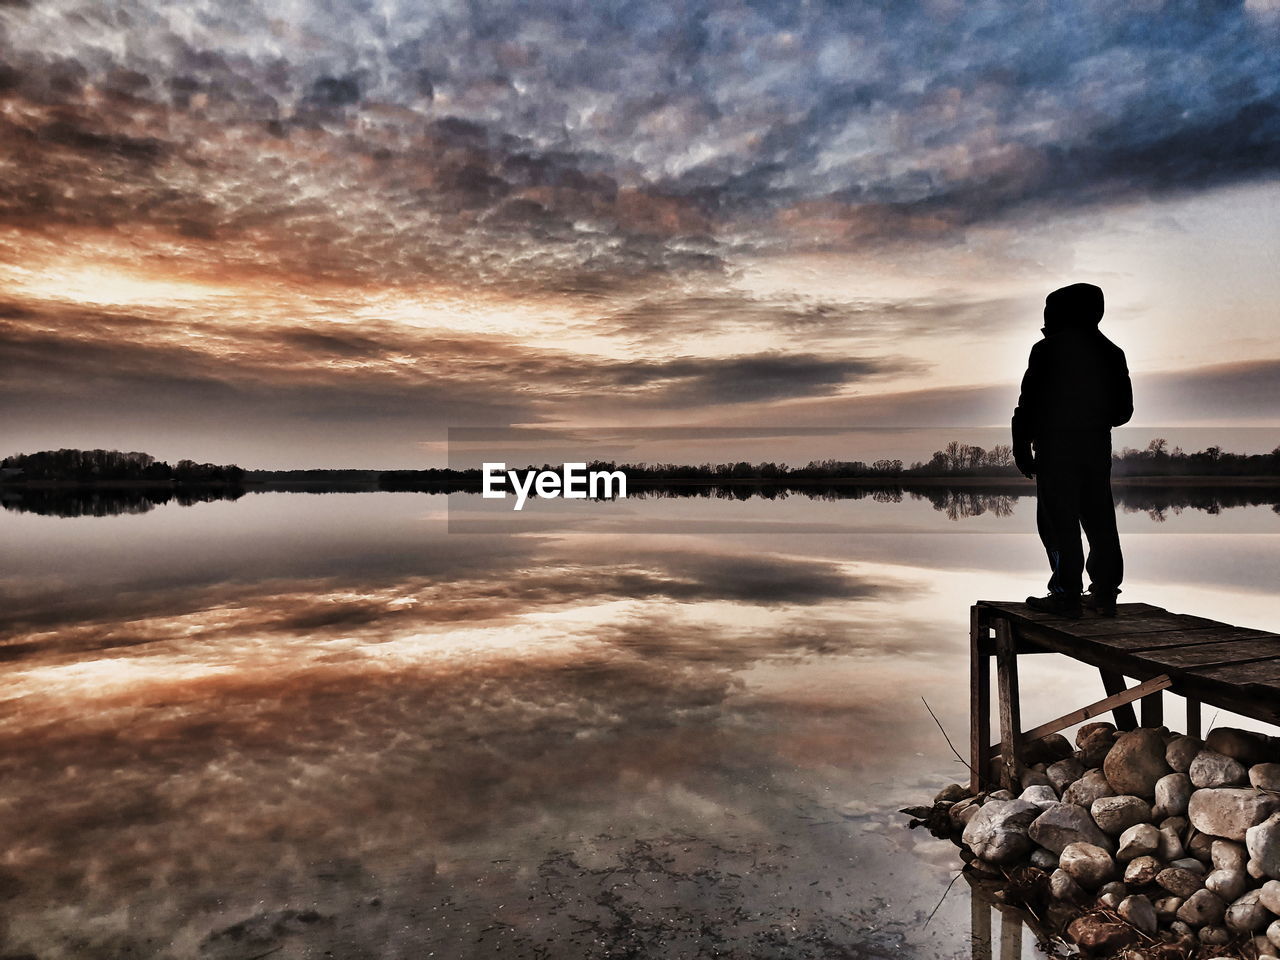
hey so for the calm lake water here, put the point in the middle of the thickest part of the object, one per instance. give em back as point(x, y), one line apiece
point(406, 725)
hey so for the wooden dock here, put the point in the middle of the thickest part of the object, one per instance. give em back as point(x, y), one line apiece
point(1203, 661)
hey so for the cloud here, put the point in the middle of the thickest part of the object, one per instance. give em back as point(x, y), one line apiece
point(59, 359)
point(713, 311)
point(570, 147)
point(1242, 392)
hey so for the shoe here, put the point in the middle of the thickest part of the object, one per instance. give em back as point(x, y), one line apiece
point(1059, 604)
point(1102, 603)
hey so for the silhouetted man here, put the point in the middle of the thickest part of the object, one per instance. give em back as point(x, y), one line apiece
point(1075, 390)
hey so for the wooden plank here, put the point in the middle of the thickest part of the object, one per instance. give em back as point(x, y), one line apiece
point(1212, 654)
point(1103, 627)
point(1254, 671)
point(979, 698)
point(1122, 713)
point(1010, 709)
point(1140, 642)
point(1144, 689)
point(1024, 612)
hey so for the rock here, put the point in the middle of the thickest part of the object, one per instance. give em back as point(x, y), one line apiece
point(1228, 812)
point(1263, 843)
point(1141, 871)
point(1228, 884)
point(1215, 936)
point(1062, 824)
point(1269, 896)
point(1265, 776)
point(1109, 900)
point(1273, 933)
point(1177, 824)
point(1182, 930)
point(964, 811)
point(1115, 815)
point(1042, 795)
point(1098, 937)
point(1173, 791)
point(1180, 751)
point(1178, 881)
point(1088, 864)
point(1064, 773)
point(1212, 769)
point(1047, 749)
point(1091, 785)
point(1116, 887)
point(998, 833)
point(952, 793)
point(1228, 855)
point(1044, 859)
point(1200, 846)
point(984, 869)
point(1167, 908)
point(1170, 844)
point(1247, 914)
point(1062, 886)
point(1243, 745)
point(1204, 907)
point(1095, 745)
point(1136, 762)
point(1036, 778)
point(999, 795)
point(1139, 912)
point(1254, 869)
point(1088, 730)
point(1191, 864)
point(1140, 840)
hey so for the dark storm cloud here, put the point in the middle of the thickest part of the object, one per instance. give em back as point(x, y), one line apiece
point(1243, 391)
point(659, 317)
point(55, 359)
point(588, 147)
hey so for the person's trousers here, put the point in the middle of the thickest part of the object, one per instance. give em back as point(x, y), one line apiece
point(1074, 493)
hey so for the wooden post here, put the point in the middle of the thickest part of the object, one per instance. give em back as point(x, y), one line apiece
point(979, 924)
point(1010, 711)
point(979, 699)
point(1124, 716)
point(1010, 936)
point(1153, 710)
point(1193, 717)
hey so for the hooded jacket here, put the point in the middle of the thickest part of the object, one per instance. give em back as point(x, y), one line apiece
point(1075, 390)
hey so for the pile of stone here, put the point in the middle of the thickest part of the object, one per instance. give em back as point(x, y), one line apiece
point(1162, 844)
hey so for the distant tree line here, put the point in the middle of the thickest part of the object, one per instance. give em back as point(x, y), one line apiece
point(956, 459)
point(97, 466)
point(1157, 460)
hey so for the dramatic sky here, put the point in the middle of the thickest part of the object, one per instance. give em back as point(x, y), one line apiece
point(304, 233)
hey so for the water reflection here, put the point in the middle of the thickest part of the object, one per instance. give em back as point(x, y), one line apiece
point(306, 724)
point(961, 501)
point(108, 501)
point(956, 501)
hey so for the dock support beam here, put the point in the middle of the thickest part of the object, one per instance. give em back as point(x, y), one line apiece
point(1010, 708)
point(1124, 716)
point(979, 700)
point(1193, 717)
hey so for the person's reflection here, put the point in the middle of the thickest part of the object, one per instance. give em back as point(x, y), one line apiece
point(1075, 390)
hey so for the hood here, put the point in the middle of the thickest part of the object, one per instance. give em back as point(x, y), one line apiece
point(1077, 307)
